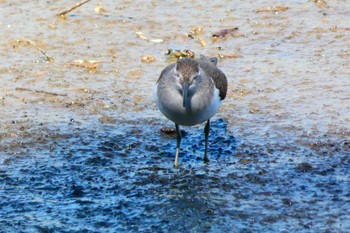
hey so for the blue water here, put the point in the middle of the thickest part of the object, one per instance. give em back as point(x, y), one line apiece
point(123, 180)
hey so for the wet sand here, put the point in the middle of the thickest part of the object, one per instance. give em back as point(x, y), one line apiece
point(81, 146)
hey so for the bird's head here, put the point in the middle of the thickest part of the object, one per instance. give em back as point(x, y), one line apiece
point(188, 75)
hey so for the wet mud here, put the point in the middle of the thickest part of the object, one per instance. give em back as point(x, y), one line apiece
point(84, 149)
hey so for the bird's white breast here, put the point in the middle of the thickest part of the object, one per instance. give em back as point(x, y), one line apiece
point(203, 107)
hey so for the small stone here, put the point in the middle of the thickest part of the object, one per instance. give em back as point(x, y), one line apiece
point(304, 167)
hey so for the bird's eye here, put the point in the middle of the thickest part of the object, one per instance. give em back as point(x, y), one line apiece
point(197, 76)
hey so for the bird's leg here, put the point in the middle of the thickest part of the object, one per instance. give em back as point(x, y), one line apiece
point(206, 134)
point(178, 141)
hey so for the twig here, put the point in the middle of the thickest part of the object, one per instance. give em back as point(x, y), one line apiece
point(48, 58)
point(39, 91)
point(63, 13)
point(32, 44)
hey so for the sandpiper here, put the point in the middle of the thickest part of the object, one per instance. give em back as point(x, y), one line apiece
point(190, 92)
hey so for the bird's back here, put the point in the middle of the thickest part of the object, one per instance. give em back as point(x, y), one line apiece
point(219, 78)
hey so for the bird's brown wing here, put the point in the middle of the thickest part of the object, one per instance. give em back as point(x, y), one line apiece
point(219, 78)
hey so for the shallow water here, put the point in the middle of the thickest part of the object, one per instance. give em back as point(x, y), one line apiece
point(82, 149)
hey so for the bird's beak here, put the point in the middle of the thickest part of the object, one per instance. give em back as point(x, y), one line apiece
point(184, 93)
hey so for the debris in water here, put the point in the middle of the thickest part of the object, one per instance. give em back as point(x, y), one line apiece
point(229, 55)
point(156, 40)
point(197, 31)
point(304, 167)
point(147, 59)
point(63, 13)
point(320, 3)
point(100, 9)
point(287, 201)
point(48, 58)
point(224, 32)
point(190, 36)
point(202, 42)
point(78, 191)
point(272, 9)
point(175, 54)
point(168, 131)
point(99, 102)
point(247, 161)
point(39, 91)
point(52, 25)
point(32, 44)
point(89, 64)
point(107, 120)
point(143, 37)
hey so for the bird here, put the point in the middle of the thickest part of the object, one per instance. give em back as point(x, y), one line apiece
point(190, 92)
